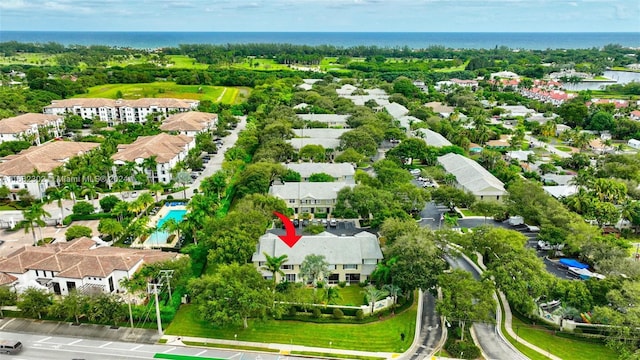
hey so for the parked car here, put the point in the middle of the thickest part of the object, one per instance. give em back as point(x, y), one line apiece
point(324, 222)
point(305, 222)
point(415, 172)
point(134, 194)
point(296, 222)
point(333, 223)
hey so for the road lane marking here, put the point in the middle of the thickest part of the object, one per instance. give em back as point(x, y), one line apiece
point(74, 342)
point(137, 347)
point(45, 339)
point(104, 345)
point(201, 352)
point(7, 323)
point(169, 350)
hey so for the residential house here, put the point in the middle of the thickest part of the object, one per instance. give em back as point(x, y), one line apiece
point(351, 259)
point(441, 109)
point(421, 85)
point(346, 89)
point(504, 75)
point(306, 197)
point(517, 110)
point(501, 143)
point(472, 177)
point(560, 191)
point(326, 143)
point(331, 120)
point(168, 150)
point(190, 123)
point(322, 133)
point(31, 127)
point(432, 138)
point(560, 128)
point(15, 169)
point(396, 110)
point(405, 122)
point(78, 265)
point(341, 172)
point(557, 179)
point(120, 111)
point(635, 115)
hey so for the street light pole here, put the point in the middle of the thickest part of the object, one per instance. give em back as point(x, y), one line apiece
point(154, 287)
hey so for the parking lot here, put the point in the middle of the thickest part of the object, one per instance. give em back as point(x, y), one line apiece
point(343, 227)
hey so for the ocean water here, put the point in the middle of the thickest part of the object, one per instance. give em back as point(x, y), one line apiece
point(152, 40)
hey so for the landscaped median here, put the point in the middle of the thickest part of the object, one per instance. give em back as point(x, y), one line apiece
point(379, 336)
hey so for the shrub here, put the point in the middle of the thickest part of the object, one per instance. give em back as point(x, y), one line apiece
point(363, 283)
point(316, 313)
point(108, 202)
point(338, 314)
point(67, 220)
point(342, 284)
point(319, 284)
point(292, 311)
point(169, 197)
point(462, 349)
point(77, 231)
point(83, 208)
point(360, 314)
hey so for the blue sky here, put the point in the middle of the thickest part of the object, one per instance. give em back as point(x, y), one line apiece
point(323, 15)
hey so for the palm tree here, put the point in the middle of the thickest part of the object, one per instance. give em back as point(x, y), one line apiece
point(156, 189)
point(171, 226)
point(394, 291)
point(59, 194)
point(73, 189)
point(120, 210)
point(273, 264)
point(136, 206)
point(373, 294)
point(145, 199)
point(39, 177)
point(90, 189)
point(127, 169)
point(314, 267)
point(150, 163)
point(331, 294)
point(183, 178)
point(33, 216)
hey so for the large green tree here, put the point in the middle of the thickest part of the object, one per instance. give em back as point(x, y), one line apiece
point(231, 295)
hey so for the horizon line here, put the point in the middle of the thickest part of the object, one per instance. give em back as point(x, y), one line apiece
point(330, 32)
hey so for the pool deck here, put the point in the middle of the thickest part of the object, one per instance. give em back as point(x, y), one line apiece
point(153, 222)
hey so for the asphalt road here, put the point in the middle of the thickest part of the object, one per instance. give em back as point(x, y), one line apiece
point(430, 331)
point(39, 347)
point(492, 345)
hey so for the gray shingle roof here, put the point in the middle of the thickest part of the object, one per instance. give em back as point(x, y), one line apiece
point(320, 133)
point(433, 138)
point(336, 249)
point(304, 190)
point(299, 143)
point(472, 176)
point(325, 118)
point(334, 169)
point(396, 110)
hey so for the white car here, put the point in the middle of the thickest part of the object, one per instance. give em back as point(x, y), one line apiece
point(415, 172)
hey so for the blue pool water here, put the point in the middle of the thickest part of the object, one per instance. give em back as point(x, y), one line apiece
point(159, 237)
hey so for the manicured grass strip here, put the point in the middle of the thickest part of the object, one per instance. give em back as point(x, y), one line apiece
point(182, 357)
point(335, 356)
point(162, 89)
point(530, 353)
point(185, 62)
point(563, 148)
point(228, 346)
point(381, 336)
point(567, 349)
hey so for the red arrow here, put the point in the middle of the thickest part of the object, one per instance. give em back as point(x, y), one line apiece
point(291, 238)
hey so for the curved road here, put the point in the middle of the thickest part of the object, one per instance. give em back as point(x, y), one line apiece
point(430, 329)
point(492, 344)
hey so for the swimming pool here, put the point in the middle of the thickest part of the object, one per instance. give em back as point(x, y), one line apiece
point(160, 237)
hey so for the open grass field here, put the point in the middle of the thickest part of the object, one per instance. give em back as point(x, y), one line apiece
point(227, 95)
point(452, 69)
point(567, 349)
point(29, 58)
point(563, 148)
point(185, 62)
point(377, 336)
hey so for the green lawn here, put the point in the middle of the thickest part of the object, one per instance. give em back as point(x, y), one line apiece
point(182, 357)
point(377, 336)
point(164, 89)
point(455, 68)
point(563, 148)
point(258, 64)
point(351, 295)
point(185, 62)
point(567, 349)
point(29, 58)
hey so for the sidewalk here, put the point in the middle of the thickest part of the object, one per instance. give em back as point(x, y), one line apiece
point(284, 349)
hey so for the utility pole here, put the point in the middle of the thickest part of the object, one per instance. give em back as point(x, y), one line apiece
point(153, 287)
point(164, 277)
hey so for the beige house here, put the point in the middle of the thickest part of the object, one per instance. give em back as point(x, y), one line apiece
point(351, 259)
point(79, 265)
point(30, 127)
point(15, 169)
point(307, 197)
point(168, 150)
point(190, 123)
